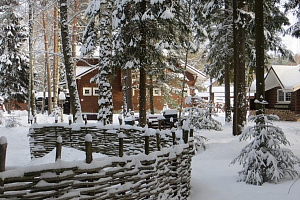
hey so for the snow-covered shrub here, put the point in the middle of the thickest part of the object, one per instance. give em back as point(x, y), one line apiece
point(263, 159)
point(199, 142)
point(12, 121)
point(200, 114)
point(201, 118)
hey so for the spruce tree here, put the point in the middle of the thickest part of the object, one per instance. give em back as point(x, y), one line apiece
point(14, 63)
point(263, 159)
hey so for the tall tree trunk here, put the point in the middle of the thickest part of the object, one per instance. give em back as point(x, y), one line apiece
point(55, 57)
point(227, 93)
point(260, 52)
point(227, 78)
point(239, 115)
point(143, 70)
point(31, 95)
point(74, 38)
point(151, 93)
point(65, 40)
point(47, 62)
point(129, 99)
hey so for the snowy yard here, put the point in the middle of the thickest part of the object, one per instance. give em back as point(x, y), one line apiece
point(213, 178)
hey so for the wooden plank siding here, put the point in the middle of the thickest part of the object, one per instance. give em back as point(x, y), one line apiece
point(297, 102)
point(89, 104)
point(271, 98)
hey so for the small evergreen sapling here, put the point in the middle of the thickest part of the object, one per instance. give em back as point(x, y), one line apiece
point(263, 159)
point(200, 114)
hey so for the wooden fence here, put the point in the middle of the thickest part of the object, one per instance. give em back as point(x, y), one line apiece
point(163, 174)
point(105, 138)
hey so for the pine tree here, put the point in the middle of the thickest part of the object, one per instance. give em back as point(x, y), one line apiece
point(14, 63)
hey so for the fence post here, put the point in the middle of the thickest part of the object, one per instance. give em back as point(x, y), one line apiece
point(58, 148)
point(70, 120)
point(147, 137)
point(191, 131)
point(85, 119)
point(121, 144)
point(173, 135)
point(171, 122)
point(185, 132)
point(185, 135)
point(3, 147)
point(159, 124)
point(88, 148)
point(30, 119)
point(158, 140)
point(120, 119)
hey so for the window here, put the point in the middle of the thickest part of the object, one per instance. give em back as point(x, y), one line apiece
point(283, 97)
point(156, 92)
point(96, 91)
point(87, 91)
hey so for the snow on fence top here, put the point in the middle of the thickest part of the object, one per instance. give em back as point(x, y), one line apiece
point(163, 174)
point(105, 138)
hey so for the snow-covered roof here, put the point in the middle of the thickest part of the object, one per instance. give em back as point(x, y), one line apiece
point(82, 70)
point(287, 77)
point(201, 75)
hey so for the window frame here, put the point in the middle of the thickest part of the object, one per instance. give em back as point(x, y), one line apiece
point(158, 92)
point(285, 96)
point(87, 88)
point(94, 93)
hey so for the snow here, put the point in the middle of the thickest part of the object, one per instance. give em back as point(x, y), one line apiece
point(213, 177)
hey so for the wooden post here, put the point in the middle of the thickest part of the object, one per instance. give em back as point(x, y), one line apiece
point(158, 140)
point(185, 135)
point(147, 137)
point(185, 131)
point(70, 120)
point(121, 145)
point(191, 131)
point(85, 119)
point(159, 124)
point(173, 136)
point(88, 148)
point(31, 119)
point(171, 122)
point(3, 147)
point(58, 148)
point(120, 119)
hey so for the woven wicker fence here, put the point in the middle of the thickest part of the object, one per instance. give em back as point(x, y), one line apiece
point(163, 174)
point(105, 138)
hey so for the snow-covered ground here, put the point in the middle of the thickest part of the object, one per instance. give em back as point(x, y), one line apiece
point(213, 178)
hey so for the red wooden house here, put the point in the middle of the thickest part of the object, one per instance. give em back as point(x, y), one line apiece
point(88, 92)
